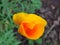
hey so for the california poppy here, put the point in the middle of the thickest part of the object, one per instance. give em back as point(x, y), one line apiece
point(31, 26)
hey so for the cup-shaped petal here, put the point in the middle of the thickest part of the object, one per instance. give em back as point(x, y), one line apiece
point(33, 33)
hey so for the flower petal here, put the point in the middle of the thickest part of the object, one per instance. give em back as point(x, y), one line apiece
point(34, 33)
point(31, 25)
point(19, 17)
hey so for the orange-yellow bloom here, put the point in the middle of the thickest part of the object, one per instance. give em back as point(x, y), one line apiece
point(30, 25)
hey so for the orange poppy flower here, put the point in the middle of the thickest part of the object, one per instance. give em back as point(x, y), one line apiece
point(31, 26)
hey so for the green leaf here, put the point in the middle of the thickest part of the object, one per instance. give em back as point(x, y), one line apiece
point(39, 41)
point(30, 42)
point(7, 38)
